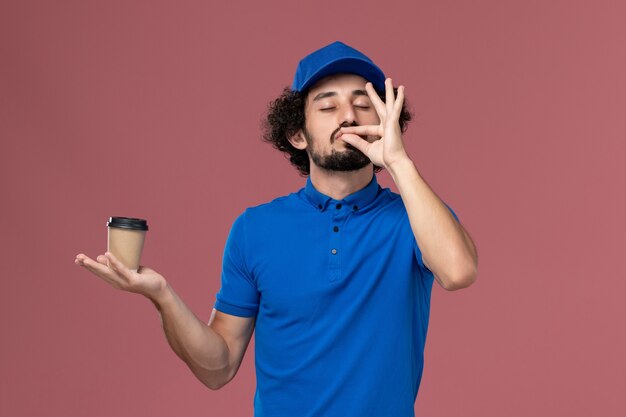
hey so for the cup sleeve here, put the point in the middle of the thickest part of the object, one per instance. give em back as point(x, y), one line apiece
point(418, 252)
point(238, 294)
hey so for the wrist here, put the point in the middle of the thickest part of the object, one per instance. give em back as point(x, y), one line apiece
point(163, 297)
point(399, 165)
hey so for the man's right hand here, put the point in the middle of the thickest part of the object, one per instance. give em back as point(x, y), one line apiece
point(213, 352)
point(145, 281)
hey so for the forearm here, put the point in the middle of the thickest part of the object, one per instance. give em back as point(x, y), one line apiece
point(438, 234)
point(200, 347)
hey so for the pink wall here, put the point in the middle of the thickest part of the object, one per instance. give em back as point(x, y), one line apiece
point(151, 110)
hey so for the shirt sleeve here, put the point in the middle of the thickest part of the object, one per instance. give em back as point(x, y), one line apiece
point(238, 294)
point(418, 252)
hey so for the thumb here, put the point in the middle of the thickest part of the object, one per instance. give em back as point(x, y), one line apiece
point(117, 265)
point(355, 140)
point(145, 270)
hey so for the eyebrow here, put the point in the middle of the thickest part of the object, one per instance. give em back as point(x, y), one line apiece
point(334, 93)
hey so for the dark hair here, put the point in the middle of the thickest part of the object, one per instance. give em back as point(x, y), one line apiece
point(285, 116)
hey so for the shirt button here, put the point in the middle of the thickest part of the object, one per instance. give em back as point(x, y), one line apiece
point(336, 229)
point(338, 206)
point(334, 251)
point(355, 208)
point(319, 205)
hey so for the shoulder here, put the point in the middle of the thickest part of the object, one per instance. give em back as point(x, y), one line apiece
point(390, 202)
point(391, 196)
point(275, 208)
point(271, 207)
point(396, 203)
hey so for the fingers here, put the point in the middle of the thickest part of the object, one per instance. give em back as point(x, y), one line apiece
point(392, 106)
point(370, 130)
point(389, 101)
point(84, 260)
point(397, 106)
point(116, 265)
point(101, 269)
point(356, 141)
point(379, 105)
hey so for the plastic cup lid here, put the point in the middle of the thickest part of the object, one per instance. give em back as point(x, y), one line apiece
point(128, 223)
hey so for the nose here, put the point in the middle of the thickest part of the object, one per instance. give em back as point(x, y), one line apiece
point(348, 115)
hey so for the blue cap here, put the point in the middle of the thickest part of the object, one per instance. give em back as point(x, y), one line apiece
point(336, 58)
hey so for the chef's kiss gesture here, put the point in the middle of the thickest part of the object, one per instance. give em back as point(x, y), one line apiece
point(389, 148)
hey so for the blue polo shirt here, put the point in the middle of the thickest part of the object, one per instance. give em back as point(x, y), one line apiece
point(341, 298)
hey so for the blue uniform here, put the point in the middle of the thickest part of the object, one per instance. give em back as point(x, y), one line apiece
point(341, 298)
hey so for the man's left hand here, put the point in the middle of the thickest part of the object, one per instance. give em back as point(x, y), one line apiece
point(387, 148)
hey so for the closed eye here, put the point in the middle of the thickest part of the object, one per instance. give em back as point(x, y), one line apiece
point(358, 107)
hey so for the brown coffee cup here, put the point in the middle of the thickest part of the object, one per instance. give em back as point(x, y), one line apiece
point(126, 237)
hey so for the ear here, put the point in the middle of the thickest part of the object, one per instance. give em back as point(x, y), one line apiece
point(297, 140)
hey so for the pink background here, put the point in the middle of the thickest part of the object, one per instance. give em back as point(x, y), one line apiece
point(151, 109)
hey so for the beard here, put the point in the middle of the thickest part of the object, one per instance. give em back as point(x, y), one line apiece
point(351, 159)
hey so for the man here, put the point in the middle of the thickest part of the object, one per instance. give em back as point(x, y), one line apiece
point(334, 279)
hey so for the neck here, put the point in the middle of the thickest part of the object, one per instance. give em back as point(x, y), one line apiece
point(339, 184)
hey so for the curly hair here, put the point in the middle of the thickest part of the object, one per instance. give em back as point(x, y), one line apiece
point(285, 116)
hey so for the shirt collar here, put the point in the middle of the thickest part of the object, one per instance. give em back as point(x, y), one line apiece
point(356, 200)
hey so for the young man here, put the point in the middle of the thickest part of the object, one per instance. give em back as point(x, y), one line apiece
point(335, 279)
